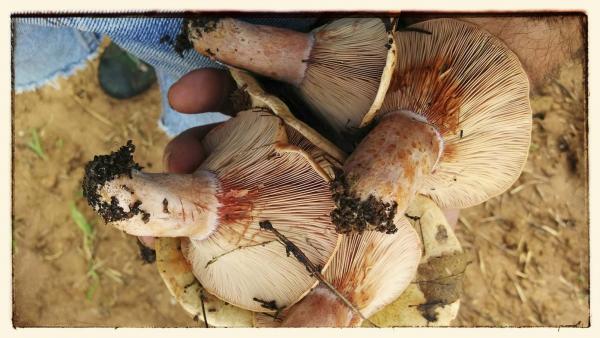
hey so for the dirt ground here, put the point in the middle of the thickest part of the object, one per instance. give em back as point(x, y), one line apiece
point(530, 246)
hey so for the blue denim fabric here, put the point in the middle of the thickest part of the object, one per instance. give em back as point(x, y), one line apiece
point(49, 47)
point(34, 58)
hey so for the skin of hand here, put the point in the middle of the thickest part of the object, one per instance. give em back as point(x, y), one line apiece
point(541, 43)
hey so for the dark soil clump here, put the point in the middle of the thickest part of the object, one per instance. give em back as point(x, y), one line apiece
point(269, 305)
point(148, 255)
point(182, 41)
point(239, 100)
point(204, 25)
point(201, 25)
point(104, 168)
point(440, 280)
point(351, 214)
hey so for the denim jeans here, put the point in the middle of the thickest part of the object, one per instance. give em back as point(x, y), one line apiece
point(46, 48)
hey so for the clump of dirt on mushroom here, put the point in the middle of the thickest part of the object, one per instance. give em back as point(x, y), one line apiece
point(104, 168)
point(201, 25)
point(440, 280)
point(355, 215)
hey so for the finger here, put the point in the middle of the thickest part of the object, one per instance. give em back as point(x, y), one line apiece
point(200, 91)
point(184, 154)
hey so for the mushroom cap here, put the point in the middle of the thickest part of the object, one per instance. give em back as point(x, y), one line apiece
point(186, 289)
point(425, 303)
point(374, 268)
point(441, 249)
point(341, 69)
point(474, 90)
point(260, 98)
point(345, 78)
point(269, 179)
point(324, 156)
point(370, 269)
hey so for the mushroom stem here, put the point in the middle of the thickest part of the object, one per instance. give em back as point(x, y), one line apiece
point(274, 52)
point(162, 205)
point(321, 308)
point(386, 170)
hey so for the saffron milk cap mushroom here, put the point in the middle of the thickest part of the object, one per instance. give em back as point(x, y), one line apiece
point(340, 69)
point(252, 173)
point(185, 288)
point(433, 297)
point(174, 268)
point(455, 124)
point(275, 181)
point(371, 270)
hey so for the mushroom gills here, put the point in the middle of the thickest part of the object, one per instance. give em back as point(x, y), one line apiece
point(259, 163)
point(370, 270)
point(433, 298)
point(251, 173)
point(338, 68)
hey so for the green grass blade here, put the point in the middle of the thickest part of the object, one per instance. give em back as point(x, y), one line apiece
point(35, 144)
point(89, 294)
point(81, 221)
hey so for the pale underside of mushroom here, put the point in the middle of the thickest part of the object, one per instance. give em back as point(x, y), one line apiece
point(172, 265)
point(370, 269)
point(339, 68)
point(185, 288)
point(433, 297)
point(473, 89)
point(239, 262)
point(253, 172)
point(345, 68)
point(412, 308)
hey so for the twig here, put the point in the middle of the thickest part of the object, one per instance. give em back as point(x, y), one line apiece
point(215, 258)
point(520, 291)
point(565, 91)
point(93, 113)
point(203, 310)
point(310, 267)
point(548, 229)
point(481, 263)
point(522, 186)
point(466, 223)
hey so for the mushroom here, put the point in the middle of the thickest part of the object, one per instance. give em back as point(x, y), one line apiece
point(255, 170)
point(370, 270)
point(433, 298)
point(182, 283)
point(418, 305)
point(450, 117)
point(185, 288)
point(455, 124)
point(337, 68)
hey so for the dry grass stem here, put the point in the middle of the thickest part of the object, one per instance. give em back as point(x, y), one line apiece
point(94, 114)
